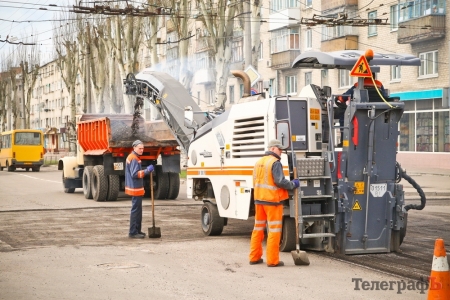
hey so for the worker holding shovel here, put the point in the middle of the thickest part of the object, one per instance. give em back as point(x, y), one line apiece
point(134, 186)
point(270, 189)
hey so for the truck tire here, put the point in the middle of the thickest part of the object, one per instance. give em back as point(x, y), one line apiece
point(99, 184)
point(160, 184)
point(287, 242)
point(113, 187)
point(87, 181)
point(66, 190)
point(10, 169)
point(1, 168)
point(174, 186)
point(36, 169)
point(212, 223)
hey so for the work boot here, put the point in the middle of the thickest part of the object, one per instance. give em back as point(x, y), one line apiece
point(142, 233)
point(136, 236)
point(259, 261)
point(280, 264)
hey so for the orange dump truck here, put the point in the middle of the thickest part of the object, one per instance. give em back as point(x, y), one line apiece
point(103, 144)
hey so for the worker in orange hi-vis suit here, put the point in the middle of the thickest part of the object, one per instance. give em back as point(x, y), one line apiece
point(270, 189)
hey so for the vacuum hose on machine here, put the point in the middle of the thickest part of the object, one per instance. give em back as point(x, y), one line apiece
point(402, 174)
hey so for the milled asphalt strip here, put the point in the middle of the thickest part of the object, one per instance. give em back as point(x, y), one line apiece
point(37, 178)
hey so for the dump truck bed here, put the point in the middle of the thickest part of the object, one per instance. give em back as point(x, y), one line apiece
point(101, 133)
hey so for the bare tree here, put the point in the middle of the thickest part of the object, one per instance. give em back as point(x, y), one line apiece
point(255, 8)
point(218, 20)
point(105, 36)
point(68, 58)
point(94, 63)
point(151, 26)
point(29, 57)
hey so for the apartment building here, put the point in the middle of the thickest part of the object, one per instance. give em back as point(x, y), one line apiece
point(50, 106)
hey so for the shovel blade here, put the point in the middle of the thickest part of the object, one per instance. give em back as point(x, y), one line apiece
point(154, 232)
point(300, 258)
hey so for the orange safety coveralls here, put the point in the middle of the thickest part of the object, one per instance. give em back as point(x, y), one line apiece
point(265, 190)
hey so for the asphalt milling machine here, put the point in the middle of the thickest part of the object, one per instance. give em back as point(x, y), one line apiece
point(351, 201)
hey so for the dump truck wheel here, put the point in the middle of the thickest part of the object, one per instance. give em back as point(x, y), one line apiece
point(36, 169)
point(27, 169)
point(99, 184)
point(10, 169)
point(287, 242)
point(87, 181)
point(67, 190)
point(160, 184)
point(113, 187)
point(1, 168)
point(212, 223)
point(174, 186)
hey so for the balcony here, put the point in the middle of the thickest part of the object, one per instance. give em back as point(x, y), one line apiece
point(424, 28)
point(349, 42)
point(204, 43)
point(283, 60)
point(333, 4)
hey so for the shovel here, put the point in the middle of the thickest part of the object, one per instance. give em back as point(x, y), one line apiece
point(153, 232)
point(300, 257)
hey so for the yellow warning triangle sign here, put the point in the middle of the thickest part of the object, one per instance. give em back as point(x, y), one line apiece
point(356, 206)
point(361, 68)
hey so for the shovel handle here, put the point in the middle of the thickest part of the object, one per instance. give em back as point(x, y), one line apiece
point(153, 200)
point(297, 242)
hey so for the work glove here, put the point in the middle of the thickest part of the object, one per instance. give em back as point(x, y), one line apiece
point(296, 183)
point(150, 168)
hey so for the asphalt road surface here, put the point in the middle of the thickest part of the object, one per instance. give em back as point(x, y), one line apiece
point(61, 246)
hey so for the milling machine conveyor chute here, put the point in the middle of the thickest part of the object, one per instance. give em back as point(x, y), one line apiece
point(170, 98)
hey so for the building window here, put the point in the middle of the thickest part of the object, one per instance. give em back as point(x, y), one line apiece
point(372, 28)
point(198, 98)
point(308, 78)
point(241, 90)
point(395, 73)
point(424, 127)
point(277, 5)
point(231, 94)
point(324, 77)
point(394, 17)
point(291, 84)
point(308, 3)
point(211, 97)
point(272, 87)
point(428, 64)
point(285, 39)
point(308, 39)
point(237, 51)
point(344, 78)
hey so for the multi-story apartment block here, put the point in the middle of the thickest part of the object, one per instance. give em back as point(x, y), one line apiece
point(50, 106)
point(415, 27)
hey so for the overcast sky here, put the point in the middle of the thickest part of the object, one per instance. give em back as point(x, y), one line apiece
point(27, 10)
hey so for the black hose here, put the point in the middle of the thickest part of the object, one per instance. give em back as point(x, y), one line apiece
point(423, 199)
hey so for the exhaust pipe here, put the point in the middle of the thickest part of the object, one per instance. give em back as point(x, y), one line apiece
point(246, 79)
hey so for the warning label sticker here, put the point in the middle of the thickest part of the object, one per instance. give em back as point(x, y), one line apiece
point(356, 206)
point(359, 187)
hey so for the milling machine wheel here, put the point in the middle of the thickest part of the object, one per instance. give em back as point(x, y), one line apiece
point(212, 222)
point(287, 242)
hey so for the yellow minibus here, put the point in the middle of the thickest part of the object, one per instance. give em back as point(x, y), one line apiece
point(21, 148)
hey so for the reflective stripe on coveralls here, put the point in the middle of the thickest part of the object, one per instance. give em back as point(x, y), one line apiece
point(273, 214)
